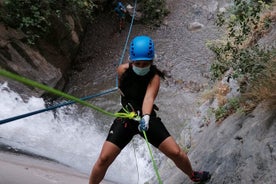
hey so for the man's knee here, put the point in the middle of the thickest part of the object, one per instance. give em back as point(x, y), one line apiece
point(176, 152)
point(104, 160)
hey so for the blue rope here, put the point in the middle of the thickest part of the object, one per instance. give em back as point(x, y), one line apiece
point(85, 98)
point(126, 43)
point(93, 96)
point(55, 107)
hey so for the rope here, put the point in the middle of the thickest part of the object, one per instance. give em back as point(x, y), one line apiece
point(84, 98)
point(127, 39)
point(54, 107)
point(136, 163)
point(62, 94)
point(126, 114)
point(137, 118)
point(152, 159)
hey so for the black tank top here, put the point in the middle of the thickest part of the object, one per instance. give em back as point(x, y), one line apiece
point(134, 87)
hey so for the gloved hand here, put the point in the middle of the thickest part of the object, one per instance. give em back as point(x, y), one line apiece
point(144, 123)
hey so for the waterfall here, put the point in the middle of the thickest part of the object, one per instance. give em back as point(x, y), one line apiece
point(68, 137)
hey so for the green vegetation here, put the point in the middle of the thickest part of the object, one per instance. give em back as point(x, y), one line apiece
point(35, 18)
point(252, 64)
point(154, 11)
point(223, 111)
point(238, 50)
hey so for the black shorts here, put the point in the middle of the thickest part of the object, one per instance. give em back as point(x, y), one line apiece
point(123, 130)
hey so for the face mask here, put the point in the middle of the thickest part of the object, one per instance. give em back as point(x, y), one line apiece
point(141, 71)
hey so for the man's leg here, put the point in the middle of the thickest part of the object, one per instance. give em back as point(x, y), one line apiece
point(179, 157)
point(108, 154)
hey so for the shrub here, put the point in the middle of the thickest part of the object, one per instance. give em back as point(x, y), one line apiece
point(264, 87)
point(237, 50)
point(252, 65)
point(154, 11)
point(34, 17)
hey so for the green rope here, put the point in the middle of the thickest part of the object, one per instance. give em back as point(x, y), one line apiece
point(153, 161)
point(126, 114)
point(130, 115)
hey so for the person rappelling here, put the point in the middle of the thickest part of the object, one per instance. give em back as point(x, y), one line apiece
point(139, 82)
point(120, 11)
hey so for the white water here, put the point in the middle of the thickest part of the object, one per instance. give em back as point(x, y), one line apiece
point(68, 137)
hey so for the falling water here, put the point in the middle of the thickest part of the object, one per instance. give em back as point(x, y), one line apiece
point(68, 137)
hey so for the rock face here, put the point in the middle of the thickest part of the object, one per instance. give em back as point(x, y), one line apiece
point(25, 61)
point(47, 63)
point(243, 150)
point(240, 150)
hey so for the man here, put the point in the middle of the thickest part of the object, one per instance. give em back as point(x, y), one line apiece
point(139, 82)
point(121, 13)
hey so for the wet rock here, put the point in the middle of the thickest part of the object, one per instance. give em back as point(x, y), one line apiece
point(130, 10)
point(19, 58)
point(195, 26)
point(74, 34)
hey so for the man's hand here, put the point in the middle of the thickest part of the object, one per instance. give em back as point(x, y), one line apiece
point(144, 123)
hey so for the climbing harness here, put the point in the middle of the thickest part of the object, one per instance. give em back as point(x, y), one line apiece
point(127, 114)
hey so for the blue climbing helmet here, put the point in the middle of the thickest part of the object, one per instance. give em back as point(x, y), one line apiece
point(141, 48)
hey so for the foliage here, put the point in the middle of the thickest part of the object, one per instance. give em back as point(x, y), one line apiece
point(154, 11)
point(251, 64)
point(34, 17)
point(264, 87)
point(222, 112)
point(239, 51)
